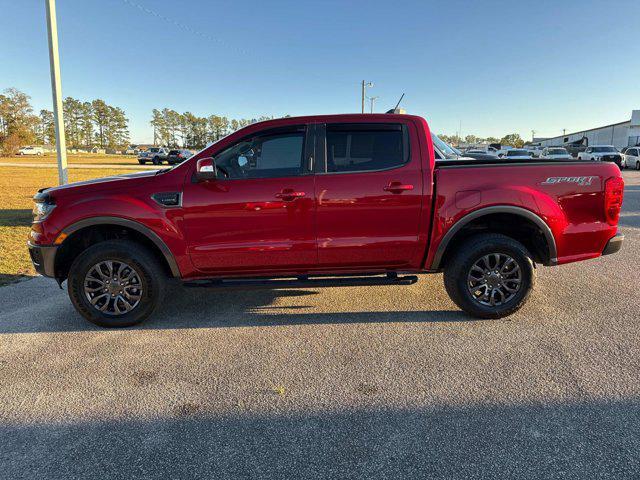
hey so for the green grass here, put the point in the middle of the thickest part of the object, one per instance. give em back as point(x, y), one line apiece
point(18, 185)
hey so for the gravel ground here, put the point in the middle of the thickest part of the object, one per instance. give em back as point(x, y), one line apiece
point(384, 382)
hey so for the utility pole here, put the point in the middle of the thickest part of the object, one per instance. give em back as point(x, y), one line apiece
point(533, 135)
point(365, 85)
point(373, 102)
point(564, 132)
point(56, 90)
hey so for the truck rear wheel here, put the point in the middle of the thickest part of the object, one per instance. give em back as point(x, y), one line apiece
point(490, 276)
point(116, 283)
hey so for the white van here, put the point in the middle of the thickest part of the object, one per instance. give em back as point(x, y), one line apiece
point(28, 150)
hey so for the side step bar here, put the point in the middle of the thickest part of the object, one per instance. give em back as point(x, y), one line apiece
point(304, 282)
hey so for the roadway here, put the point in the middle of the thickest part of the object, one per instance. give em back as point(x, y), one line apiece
point(384, 382)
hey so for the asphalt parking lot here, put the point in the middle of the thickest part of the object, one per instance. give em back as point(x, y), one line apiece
point(384, 382)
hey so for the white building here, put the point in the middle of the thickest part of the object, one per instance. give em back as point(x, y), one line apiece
point(619, 135)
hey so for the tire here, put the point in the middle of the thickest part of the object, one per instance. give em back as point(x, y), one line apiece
point(149, 275)
point(157, 161)
point(458, 268)
point(142, 162)
point(637, 165)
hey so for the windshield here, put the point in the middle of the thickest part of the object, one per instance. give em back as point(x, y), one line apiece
point(448, 151)
point(604, 149)
point(557, 151)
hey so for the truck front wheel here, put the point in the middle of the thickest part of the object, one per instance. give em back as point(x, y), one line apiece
point(490, 276)
point(116, 283)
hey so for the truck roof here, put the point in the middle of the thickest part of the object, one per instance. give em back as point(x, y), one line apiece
point(342, 117)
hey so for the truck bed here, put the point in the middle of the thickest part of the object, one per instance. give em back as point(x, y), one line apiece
point(567, 195)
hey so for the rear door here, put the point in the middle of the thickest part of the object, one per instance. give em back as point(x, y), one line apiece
point(369, 191)
point(259, 214)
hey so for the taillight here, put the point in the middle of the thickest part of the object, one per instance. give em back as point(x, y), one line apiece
point(613, 193)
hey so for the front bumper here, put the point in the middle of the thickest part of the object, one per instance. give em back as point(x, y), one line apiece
point(614, 244)
point(43, 258)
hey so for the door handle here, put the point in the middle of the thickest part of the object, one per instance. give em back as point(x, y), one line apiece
point(397, 187)
point(289, 194)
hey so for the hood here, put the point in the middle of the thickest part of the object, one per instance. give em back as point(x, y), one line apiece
point(127, 180)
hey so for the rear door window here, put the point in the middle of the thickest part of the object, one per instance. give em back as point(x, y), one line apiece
point(365, 147)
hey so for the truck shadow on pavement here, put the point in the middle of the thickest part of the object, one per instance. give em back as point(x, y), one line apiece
point(575, 440)
point(185, 308)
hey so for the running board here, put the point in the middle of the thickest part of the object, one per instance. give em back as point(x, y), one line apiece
point(303, 282)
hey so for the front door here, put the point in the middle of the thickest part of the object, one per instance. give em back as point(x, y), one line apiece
point(259, 214)
point(370, 196)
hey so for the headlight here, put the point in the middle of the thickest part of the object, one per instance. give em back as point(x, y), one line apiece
point(43, 207)
point(42, 211)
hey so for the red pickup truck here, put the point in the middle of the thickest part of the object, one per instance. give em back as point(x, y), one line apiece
point(317, 201)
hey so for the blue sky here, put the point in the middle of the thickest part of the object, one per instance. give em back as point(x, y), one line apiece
point(496, 66)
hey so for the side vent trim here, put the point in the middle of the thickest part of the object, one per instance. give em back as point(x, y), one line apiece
point(168, 199)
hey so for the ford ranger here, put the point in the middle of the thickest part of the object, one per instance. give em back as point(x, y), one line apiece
point(335, 200)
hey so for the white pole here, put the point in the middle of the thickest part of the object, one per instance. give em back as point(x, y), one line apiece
point(56, 90)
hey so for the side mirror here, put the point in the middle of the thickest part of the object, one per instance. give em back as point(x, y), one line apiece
point(206, 170)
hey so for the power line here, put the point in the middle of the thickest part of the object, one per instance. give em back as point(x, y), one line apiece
point(182, 26)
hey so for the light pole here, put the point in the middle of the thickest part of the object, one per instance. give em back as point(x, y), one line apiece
point(365, 85)
point(373, 102)
point(56, 90)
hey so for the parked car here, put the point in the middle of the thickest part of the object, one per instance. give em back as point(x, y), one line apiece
point(155, 155)
point(535, 150)
point(131, 150)
point(29, 150)
point(601, 153)
point(177, 156)
point(264, 207)
point(517, 154)
point(555, 153)
point(477, 154)
point(631, 158)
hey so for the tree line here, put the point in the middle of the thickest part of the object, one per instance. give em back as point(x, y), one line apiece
point(87, 124)
point(95, 123)
point(513, 139)
point(186, 130)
